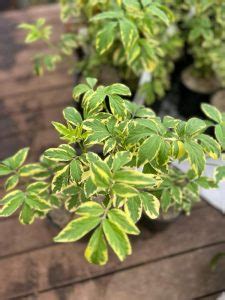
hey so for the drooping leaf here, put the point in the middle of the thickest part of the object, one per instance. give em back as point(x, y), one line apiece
point(77, 228)
point(151, 204)
point(90, 208)
point(123, 221)
point(96, 251)
point(117, 239)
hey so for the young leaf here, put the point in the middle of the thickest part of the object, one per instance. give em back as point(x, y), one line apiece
point(117, 239)
point(77, 228)
point(133, 208)
point(124, 190)
point(100, 174)
point(135, 178)
point(150, 148)
point(105, 37)
point(91, 82)
point(72, 115)
point(195, 156)
point(11, 182)
point(96, 251)
point(26, 215)
point(220, 134)
point(151, 204)
point(212, 112)
point(5, 170)
point(119, 218)
point(90, 208)
point(37, 203)
point(121, 159)
point(14, 201)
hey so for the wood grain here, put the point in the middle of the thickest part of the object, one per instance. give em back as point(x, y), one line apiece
point(57, 265)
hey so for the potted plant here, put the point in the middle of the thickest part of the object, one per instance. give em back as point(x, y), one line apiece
point(108, 193)
point(139, 39)
point(202, 25)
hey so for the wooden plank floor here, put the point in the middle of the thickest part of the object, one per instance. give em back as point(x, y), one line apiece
point(172, 264)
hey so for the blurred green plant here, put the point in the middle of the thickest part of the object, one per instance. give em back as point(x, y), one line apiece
point(133, 174)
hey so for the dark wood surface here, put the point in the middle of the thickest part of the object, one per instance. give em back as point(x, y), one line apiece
point(172, 264)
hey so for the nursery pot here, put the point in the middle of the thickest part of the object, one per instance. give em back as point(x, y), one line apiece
point(193, 91)
point(163, 221)
point(218, 100)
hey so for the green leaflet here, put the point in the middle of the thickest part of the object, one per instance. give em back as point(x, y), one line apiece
point(220, 173)
point(212, 112)
point(118, 89)
point(133, 208)
point(117, 106)
point(37, 187)
point(61, 179)
point(91, 81)
point(31, 170)
point(194, 126)
point(210, 146)
point(37, 203)
point(128, 32)
point(109, 145)
point(77, 228)
point(100, 174)
point(151, 204)
point(96, 251)
point(195, 156)
point(150, 148)
point(105, 38)
point(165, 200)
point(75, 170)
point(5, 170)
point(123, 221)
point(16, 161)
point(11, 182)
point(176, 193)
point(124, 190)
point(135, 178)
point(108, 15)
point(62, 153)
point(90, 208)
point(220, 134)
point(156, 10)
point(27, 215)
point(79, 90)
point(117, 239)
point(97, 131)
point(121, 158)
point(72, 115)
point(12, 202)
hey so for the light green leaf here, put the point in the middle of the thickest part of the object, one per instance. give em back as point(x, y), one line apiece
point(210, 146)
point(118, 89)
point(97, 131)
point(220, 134)
point(117, 239)
point(19, 158)
point(105, 37)
point(124, 190)
point(123, 221)
point(121, 159)
point(212, 112)
point(117, 106)
point(194, 126)
point(176, 193)
point(90, 208)
point(220, 173)
point(27, 215)
point(62, 153)
point(14, 201)
point(11, 182)
point(96, 251)
point(61, 179)
point(100, 174)
point(37, 203)
point(133, 208)
point(72, 115)
point(165, 200)
point(79, 90)
point(195, 156)
point(75, 170)
point(31, 170)
point(5, 170)
point(108, 15)
point(151, 204)
point(37, 187)
point(129, 33)
point(77, 228)
point(135, 178)
point(150, 148)
point(91, 82)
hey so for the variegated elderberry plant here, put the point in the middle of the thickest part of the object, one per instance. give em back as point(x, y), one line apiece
point(135, 37)
point(107, 193)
